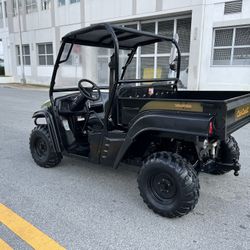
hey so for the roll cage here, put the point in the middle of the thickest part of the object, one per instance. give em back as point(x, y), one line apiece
point(115, 37)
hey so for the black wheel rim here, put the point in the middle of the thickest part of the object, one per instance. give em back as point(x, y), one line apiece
point(162, 187)
point(41, 148)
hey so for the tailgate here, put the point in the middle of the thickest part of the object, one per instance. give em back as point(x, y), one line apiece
point(237, 113)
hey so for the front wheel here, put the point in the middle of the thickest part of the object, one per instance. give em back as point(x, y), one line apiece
point(41, 148)
point(168, 184)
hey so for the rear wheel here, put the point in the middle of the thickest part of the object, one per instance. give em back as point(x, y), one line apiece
point(228, 151)
point(168, 184)
point(41, 148)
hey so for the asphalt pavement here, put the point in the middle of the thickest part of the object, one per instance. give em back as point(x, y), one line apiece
point(85, 206)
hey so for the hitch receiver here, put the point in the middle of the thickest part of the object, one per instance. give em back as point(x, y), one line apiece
point(212, 164)
point(236, 167)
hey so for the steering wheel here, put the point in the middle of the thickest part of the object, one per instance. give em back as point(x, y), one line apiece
point(87, 92)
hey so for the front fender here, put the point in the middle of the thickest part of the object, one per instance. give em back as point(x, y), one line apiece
point(45, 113)
point(178, 125)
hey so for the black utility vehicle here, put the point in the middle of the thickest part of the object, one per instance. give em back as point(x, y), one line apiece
point(171, 134)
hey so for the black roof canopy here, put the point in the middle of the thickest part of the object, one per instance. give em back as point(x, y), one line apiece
point(105, 34)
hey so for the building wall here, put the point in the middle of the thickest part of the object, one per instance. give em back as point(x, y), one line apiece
point(233, 77)
point(51, 25)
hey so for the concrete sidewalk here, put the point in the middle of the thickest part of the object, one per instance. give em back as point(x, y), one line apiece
point(26, 86)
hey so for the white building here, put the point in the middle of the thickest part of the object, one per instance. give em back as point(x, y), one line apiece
point(214, 36)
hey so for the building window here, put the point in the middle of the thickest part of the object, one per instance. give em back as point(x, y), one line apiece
point(45, 54)
point(15, 8)
point(1, 11)
point(231, 46)
point(61, 2)
point(45, 4)
point(74, 1)
point(26, 54)
point(5, 9)
point(31, 6)
point(152, 61)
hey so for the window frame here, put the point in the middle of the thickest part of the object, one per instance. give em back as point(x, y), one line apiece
point(232, 47)
point(45, 54)
point(18, 55)
point(29, 8)
point(45, 5)
point(156, 55)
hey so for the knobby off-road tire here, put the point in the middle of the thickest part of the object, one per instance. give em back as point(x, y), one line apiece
point(168, 184)
point(41, 148)
point(229, 150)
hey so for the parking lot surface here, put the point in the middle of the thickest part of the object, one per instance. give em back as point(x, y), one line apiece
point(85, 206)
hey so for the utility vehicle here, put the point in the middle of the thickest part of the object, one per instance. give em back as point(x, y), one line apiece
point(171, 134)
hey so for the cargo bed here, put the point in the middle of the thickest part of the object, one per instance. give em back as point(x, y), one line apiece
point(229, 110)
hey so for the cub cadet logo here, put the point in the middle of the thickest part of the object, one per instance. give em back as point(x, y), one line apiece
point(183, 106)
point(242, 112)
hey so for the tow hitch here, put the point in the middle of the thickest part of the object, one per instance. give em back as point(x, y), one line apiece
point(210, 165)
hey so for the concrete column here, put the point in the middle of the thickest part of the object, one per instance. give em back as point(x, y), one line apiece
point(195, 47)
point(134, 6)
point(10, 16)
point(158, 5)
point(23, 15)
point(3, 11)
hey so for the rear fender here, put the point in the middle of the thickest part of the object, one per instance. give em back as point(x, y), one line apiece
point(185, 126)
point(51, 127)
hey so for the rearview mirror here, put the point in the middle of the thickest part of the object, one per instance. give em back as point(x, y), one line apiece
point(173, 66)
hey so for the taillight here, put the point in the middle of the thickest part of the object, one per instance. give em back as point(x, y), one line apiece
point(211, 128)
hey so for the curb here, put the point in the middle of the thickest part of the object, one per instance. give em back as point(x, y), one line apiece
point(24, 86)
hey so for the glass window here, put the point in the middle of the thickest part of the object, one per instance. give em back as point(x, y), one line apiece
point(147, 67)
point(5, 9)
point(162, 69)
point(242, 36)
point(222, 56)
point(223, 37)
point(14, 5)
point(154, 59)
point(231, 46)
point(149, 27)
point(74, 1)
point(31, 6)
point(18, 55)
point(45, 54)
point(131, 26)
point(26, 54)
point(183, 30)
point(241, 56)
point(1, 11)
point(165, 28)
point(61, 2)
point(45, 4)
